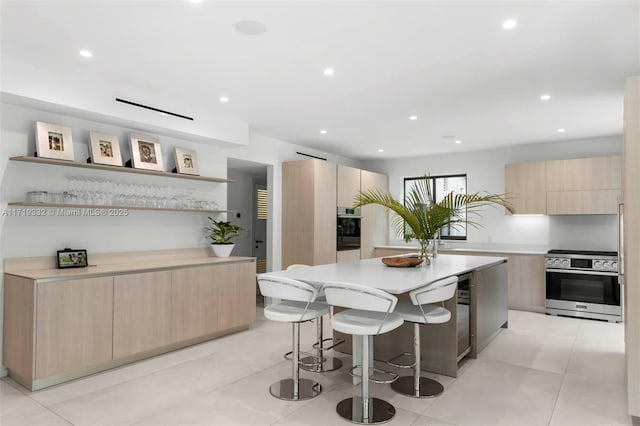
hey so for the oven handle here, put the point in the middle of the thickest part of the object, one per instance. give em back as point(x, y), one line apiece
point(573, 271)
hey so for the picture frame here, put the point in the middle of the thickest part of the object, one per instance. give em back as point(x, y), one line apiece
point(146, 153)
point(187, 162)
point(105, 149)
point(72, 258)
point(54, 141)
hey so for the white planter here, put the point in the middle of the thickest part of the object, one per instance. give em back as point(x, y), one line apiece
point(222, 250)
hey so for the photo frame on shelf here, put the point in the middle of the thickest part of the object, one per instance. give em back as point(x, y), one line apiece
point(70, 258)
point(105, 149)
point(146, 153)
point(54, 141)
point(187, 162)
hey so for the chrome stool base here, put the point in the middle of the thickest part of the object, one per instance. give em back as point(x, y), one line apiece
point(328, 364)
point(428, 388)
point(379, 411)
point(307, 389)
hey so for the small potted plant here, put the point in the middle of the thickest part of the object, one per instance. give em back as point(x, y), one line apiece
point(221, 233)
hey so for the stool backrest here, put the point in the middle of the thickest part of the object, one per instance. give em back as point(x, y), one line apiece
point(358, 296)
point(286, 288)
point(438, 291)
point(296, 266)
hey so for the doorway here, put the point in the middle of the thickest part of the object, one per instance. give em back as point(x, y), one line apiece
point(249, 198)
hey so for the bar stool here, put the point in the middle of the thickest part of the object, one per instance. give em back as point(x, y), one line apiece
point(418, 312)
point(298, 306)
point(371, 314)
point(328, 363)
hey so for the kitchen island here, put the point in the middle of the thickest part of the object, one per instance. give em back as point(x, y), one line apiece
point(478, 310)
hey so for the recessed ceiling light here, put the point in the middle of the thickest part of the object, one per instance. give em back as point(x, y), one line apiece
point(380, 150)
point(545, 97)
point(561, 130)
point(250, 27)
point(86, 54)
point(413, 117)
point(329, 72)
point(164, 113)
point(509, 24)
point(223, 99)
point(458, 141)
point(323, 132)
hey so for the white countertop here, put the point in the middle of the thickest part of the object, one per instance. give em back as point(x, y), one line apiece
point(478, 247)
point(373, 273)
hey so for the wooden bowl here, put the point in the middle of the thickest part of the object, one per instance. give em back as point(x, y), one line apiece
point(402, 262)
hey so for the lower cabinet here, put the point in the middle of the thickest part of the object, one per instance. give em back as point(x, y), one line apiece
point(73, 325)
point(141, 312)
point(56, 331)
point(347, 256)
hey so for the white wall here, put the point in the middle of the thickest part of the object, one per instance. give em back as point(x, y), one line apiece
point(485, 172)
point(240, 198)
point(141, 230)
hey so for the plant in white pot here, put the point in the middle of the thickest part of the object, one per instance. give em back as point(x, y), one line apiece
point(221, 233)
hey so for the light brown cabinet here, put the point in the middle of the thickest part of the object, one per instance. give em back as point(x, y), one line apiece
point(525, 185)
point(57, 329)
point(583, 185)
point(141, 312)
point(348, 185)
point(73, 325)
point(374, 226)
point(559, 187)
point(308, 212)
point(631, 199)
point(348, 256)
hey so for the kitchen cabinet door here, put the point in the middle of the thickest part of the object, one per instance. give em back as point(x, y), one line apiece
point(602, 201)
point(348, 256)
point(74, 325)
point(236, 294)
point(374, 225)
point(525, 186)
point(584, 174)
point(142, 312)
point(348, 185)
point(194, 297)
point(527, 290)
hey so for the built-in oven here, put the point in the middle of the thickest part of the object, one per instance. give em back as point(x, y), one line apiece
point(583, 284)
point(348, 228)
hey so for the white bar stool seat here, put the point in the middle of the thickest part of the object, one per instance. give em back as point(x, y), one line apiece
point(421, 311)
point(371, 314)
point(297, 306)
point(328, 363)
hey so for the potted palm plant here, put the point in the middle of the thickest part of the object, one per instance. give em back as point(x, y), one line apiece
point(420, 218)
point(221, 232)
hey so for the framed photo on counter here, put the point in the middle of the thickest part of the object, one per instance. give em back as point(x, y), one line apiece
point(69, 258)
point(54, 141)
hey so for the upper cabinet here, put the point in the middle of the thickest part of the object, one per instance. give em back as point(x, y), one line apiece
point(578, 186)
point(525, 187)
point(583, 186)
point(348, 185)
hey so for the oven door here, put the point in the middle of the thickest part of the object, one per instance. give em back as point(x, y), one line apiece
point(589, 291)
point(348, 233)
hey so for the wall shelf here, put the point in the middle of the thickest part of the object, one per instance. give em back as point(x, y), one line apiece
point(102, 207)
point(51, 161)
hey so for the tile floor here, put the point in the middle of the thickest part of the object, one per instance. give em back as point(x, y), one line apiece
point(541, 371)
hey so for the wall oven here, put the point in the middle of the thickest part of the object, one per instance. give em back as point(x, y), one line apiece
point(348, 229)
point(583, 284)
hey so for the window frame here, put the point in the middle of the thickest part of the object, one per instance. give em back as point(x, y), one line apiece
point(432, 180)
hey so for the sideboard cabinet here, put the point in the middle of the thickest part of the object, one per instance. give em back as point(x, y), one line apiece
point(57, 328)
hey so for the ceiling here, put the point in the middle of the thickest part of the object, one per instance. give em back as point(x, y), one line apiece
point(450, 63)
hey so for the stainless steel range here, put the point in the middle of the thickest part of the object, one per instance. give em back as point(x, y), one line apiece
point(583, 284)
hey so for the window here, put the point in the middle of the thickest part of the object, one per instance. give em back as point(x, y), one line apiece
point(441, 186)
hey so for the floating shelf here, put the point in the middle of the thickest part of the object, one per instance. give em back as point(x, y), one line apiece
point(52, 161)
point(101, 207)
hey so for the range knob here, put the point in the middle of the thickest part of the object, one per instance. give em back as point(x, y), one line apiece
point(549, 262)
point(566, 263)
point(607, 265)
point(614, 266)
point(556, 262)
point(597, 264)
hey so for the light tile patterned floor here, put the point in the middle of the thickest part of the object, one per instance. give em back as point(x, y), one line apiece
point(543, 370)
